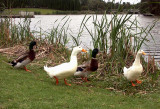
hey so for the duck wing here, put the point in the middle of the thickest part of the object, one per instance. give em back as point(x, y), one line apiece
point(126, 71)
point(83, 69)
point(22, 57)
point(84, 66)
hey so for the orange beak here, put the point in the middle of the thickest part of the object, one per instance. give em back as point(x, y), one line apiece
point(83, 50)
point(143, 53)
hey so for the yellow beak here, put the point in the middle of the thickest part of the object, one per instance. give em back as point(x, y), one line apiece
point(83, 50)
point(143, 53)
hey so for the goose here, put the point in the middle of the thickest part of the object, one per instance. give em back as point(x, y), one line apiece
point(25, 58)
point(132, 73)
point(85, 69)
point(67, 69)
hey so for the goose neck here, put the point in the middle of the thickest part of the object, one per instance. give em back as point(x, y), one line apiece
point(73, 59)
point(137, 60)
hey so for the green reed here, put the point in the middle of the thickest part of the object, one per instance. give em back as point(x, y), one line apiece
point(76, 39)
point(118, 37)
point(59, 34)
point(12, 34)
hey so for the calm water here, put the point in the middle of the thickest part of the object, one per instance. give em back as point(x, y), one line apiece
point(47, 22)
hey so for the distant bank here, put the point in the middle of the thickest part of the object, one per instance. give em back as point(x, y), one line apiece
point(41, 11)
point(15, 12)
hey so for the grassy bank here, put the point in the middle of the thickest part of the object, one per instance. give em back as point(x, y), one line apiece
point(40, 11)
point(20, 89)
point(36, 10)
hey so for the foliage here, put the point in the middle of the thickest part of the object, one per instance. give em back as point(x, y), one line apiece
point(58, 34)
point(150, 6)
point(67, 5)
point(51, 4)
point(13, 34)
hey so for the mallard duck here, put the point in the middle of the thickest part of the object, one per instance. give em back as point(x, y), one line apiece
point(85, 69)
point(25, 58)
point(65, 70)
point(133, 73)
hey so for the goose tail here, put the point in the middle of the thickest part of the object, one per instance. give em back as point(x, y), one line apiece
point(47, 70)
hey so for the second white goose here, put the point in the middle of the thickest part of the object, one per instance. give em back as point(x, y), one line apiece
point(65, 70)
point(133, 73)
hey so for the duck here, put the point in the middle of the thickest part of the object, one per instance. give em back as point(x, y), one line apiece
point(25, 58)
point(66, 69)
point(85, 69)
point(132, 73)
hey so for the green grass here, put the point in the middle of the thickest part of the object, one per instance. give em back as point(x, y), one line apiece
point(17, 10)
point(24, 90)
point(41, 11)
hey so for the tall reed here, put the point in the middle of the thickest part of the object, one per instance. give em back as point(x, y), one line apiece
point(59, 34)
point(118, 38)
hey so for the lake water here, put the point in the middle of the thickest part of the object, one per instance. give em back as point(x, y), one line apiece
point(47, 22)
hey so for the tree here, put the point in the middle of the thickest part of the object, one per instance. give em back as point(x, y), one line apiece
point(151, 6)
point(52, 4)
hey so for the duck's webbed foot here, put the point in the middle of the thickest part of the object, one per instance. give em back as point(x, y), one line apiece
point(133, 84)
point(27, 69)
point(139, 82)
point(66, 82)
point(56, 80)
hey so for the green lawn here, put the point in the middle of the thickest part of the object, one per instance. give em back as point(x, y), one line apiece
point(36, 10)
point(40, 11)
point(23, 90)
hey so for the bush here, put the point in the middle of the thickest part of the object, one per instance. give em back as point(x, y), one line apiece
point(37, 13)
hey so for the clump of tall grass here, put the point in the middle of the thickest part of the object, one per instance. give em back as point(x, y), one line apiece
point(59, 34)
point(4, 32)
point(13, 34)
point(119, 38)
point(76, 39)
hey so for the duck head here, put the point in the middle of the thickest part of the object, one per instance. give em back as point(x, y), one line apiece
point(77, 50)
point(33, 43)
point(141, 52)
point(94, 52)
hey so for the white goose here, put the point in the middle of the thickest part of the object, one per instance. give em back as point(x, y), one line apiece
point(133, 73)
point(65, 70)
